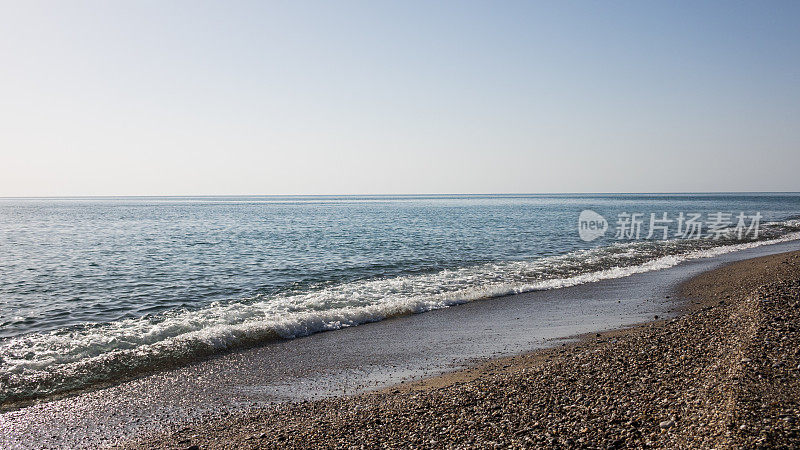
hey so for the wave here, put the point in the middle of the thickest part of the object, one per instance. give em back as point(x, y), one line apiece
point(69, 359)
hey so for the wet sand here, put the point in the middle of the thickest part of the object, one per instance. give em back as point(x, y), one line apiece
point(726, 375)
point(348, 362)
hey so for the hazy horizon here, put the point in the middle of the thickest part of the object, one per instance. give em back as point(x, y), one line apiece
point(426, 194)
point(406, 98)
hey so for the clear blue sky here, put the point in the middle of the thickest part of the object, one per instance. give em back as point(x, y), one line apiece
point(234, 97)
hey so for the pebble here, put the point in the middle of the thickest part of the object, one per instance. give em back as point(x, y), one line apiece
point(618, 393)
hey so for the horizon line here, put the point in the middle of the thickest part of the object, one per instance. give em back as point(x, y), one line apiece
point(506, 194)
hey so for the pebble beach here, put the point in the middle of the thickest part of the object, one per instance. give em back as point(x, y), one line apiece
point(724, 374)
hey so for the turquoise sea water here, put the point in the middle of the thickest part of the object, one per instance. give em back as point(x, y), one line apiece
point(93, 289)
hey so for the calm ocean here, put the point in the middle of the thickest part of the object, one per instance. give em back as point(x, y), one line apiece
point(92, 289)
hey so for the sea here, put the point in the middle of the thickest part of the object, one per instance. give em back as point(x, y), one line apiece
point(96, 290)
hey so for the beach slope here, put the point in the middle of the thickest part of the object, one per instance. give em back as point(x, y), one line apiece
point(725, 374)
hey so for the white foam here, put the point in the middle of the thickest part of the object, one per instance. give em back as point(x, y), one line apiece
point(68, 359)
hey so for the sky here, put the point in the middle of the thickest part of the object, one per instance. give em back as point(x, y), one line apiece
point(380, 97)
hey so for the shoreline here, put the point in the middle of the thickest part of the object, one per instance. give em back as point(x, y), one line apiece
point(372, 359)
point(676, 374)
point(189, 344)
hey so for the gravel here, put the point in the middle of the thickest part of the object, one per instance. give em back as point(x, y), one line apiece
point(724, 374)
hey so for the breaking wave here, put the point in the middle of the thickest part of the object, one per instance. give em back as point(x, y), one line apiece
point(42, 364)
